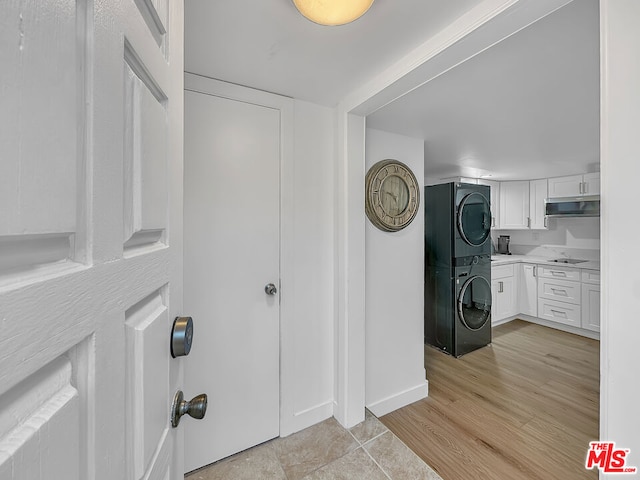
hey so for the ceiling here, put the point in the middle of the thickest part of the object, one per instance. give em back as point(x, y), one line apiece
point(268, 45)
point(526, 108)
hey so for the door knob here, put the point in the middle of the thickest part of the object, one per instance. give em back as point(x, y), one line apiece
point(270, 289)
point(196, 408)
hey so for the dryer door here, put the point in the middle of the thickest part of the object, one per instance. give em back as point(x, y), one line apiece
point(474, 303)
point(474, 219)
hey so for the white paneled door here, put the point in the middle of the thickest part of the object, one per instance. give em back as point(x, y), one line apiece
point(90, 238)
point(232, 255)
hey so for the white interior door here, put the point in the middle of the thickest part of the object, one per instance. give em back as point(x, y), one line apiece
point(232, 251)
point(90, 238)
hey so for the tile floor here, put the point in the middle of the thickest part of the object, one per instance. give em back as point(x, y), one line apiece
point(325, 451)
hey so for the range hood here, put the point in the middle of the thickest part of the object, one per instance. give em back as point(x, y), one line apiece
point(584, 206)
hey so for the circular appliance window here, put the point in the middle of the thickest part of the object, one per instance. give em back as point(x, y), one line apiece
point(474, 303)
point(474, 219)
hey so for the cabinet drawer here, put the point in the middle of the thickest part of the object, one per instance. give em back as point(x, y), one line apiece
point(502, 271)
point(591, 276)
point(559, 273)
point(559, 290)
point(559, 312)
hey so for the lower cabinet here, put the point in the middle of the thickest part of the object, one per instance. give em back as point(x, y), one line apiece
point(591, 300)
point(564, 295)
point(528, 289)
point(559, 295)
point(561, 312)
point(504, 292)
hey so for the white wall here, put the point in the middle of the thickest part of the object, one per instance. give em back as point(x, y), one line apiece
point(574, 237)
point(620, 170)
point(394, 347)
point(310, 339)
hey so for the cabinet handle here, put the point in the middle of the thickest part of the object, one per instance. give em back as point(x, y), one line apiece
point(558, 313)
point(545, 222)
point(562, 292)
point(580, 187)
point(493, 221)
point(586, 187)
point(556, 273)
point(535, 271)
point(528, 222)
point(500, 287)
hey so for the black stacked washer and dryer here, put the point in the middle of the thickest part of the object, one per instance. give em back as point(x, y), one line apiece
point(458, 267)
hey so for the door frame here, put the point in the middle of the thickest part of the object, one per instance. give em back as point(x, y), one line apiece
point(289, 423)
point(482, 27)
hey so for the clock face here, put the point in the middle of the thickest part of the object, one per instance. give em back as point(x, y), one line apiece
point(392, 195)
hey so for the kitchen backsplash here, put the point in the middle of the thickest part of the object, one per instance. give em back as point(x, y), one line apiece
point(555, 251)
point(566, 237)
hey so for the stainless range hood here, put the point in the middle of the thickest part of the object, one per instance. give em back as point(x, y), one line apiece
point(585, 206)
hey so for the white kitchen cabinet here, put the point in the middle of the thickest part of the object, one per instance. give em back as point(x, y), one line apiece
point(559, 273)
point(528, 289)
point(569, 186)
point(559, 290)
point(591, 307)
point(591, 183)
point(560, 312)
point(538, 192)
point(494, 200)
point(559, 295)
point(575, 185)
point(514, 205)
point(591, 300)
point(522, 205)
point(504, 292)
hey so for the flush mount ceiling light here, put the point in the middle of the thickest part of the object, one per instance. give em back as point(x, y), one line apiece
point(332, 12)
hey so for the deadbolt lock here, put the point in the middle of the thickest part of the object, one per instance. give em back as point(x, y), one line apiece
point(196, 408)
point(181, 336)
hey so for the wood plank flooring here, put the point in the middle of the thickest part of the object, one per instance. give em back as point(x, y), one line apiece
point(524, 408)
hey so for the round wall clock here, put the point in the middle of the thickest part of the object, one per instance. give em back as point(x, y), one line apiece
point(392, 195)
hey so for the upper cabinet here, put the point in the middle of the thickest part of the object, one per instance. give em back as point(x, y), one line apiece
point(514, 205)
point(522, 205)
point(494, 200)
point(591, 183)
point(538, 193)
point(575, 185)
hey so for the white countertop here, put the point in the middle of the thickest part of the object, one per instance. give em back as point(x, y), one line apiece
point(506, 259)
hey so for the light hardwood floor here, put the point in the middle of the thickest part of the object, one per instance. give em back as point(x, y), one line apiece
point(524, 408)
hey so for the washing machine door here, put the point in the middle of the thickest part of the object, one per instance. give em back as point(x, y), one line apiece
point(474, 219)
point(474, 303)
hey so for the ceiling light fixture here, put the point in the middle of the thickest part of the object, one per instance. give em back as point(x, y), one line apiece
point(332, 12)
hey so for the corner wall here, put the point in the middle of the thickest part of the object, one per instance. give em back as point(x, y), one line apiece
point(307, 351)
point(394, 348)
point(620, 169)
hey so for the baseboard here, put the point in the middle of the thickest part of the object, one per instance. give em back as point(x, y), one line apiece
point(394, 402)
point(559, 326)
point(306, 418)
point(504, 320)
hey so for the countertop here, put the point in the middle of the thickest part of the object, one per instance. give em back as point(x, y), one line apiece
point(506, 259)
